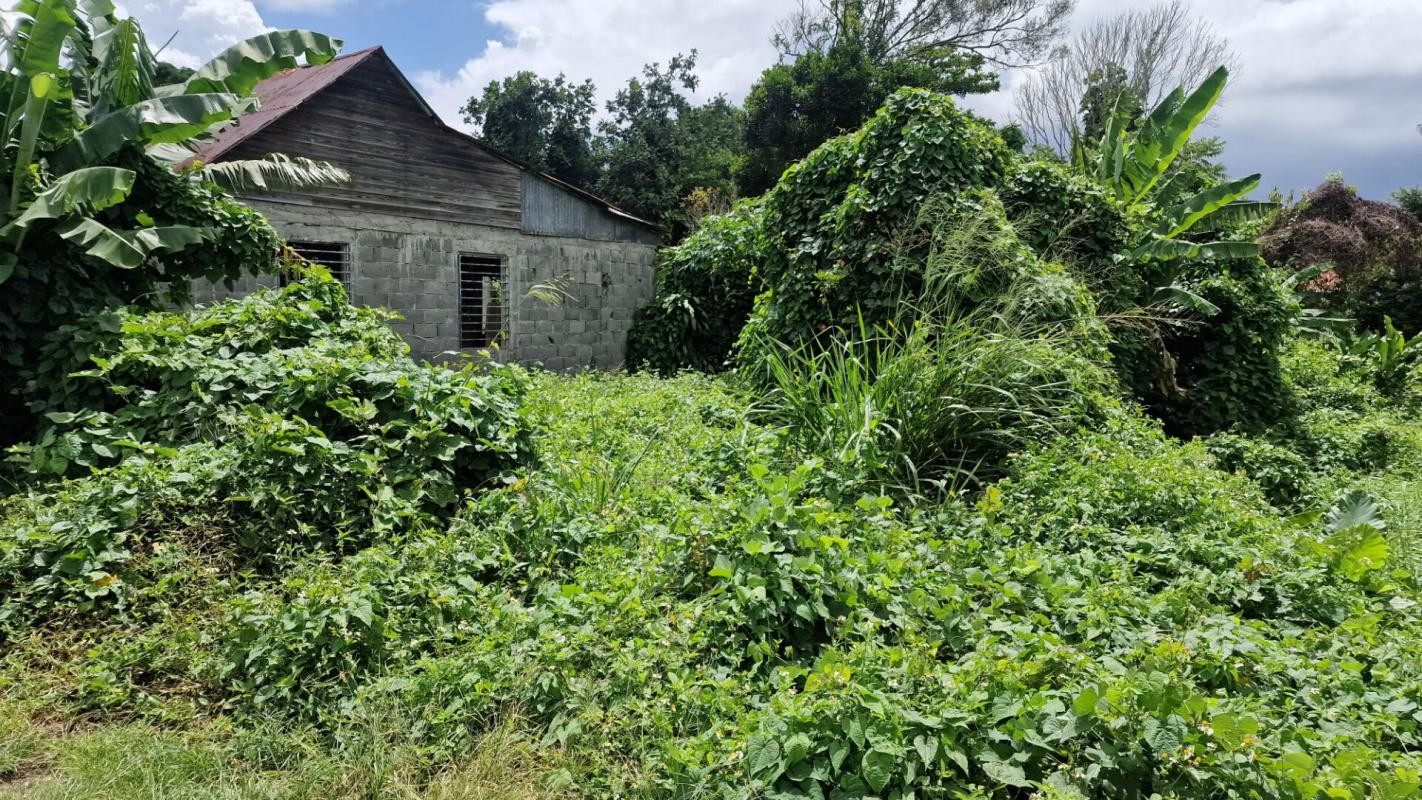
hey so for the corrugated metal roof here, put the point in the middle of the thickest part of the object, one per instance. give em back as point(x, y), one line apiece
point(285, 91)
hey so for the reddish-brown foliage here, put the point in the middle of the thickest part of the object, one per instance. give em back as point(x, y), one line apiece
point(1334, 225)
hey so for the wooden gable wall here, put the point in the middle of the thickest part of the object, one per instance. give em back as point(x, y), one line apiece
point(402, 161)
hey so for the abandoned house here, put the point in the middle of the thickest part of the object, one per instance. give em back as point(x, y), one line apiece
point(440, 227)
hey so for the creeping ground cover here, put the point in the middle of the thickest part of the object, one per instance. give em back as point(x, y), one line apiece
point(944, 472)
point(676, 602)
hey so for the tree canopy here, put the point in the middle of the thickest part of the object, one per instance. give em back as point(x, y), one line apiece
point(546, 123)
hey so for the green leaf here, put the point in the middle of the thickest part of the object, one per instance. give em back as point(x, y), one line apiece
point(763, 755)
point(126, 66)
point(161, 120)
point(927, 747)
point(41, 44)
point(89, 189)
point(1187, 299)
point(275, 173)
point(1231, 729)
point(1005, 773)
point(103, 243)
point(1242, 212)
point(877, 767)
point(1167, 131)
point(1172, 249)
point(1183, 217)
point(1164, 737)
point(1358, 550)
point(1356, 508)
point(723, 568)
point(239, 68)
point(168, 238)
point(1085, 703)
point(796, 748)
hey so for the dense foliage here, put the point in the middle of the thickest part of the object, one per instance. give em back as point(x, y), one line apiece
point(705, 289)
point(1371, 253)
point(288, 411)
point(926, 543)
point(1197, 321)
point(795, 107)
point(545, 123)
point(94, 217)
point(692, 607)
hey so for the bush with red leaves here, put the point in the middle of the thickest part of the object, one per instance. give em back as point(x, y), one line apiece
point(1376, 250)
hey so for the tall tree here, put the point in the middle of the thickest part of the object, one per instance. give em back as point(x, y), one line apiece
point(797, 106)
point(547, 123)
point(657, 145)
point(1005, 33)
point(1144, 51)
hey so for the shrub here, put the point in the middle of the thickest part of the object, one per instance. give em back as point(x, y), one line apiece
point(1071, 219)
point(1375, 250)
point(841, 223)
point(1226, 370)
point(705, 289)
point(995, 352)
point(241, 241)
point(285, 419)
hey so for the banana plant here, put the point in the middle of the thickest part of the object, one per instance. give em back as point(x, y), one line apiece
point(77, 83)
point(1133, 162)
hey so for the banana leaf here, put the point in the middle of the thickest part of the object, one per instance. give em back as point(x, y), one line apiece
point(1165, 136)
point(104, 243)
point(238, 69)
point(92, 188)
point(275, 173)
point(1187, 299)
point(1183, 217)
point(1174, 249)
point(129, 249)
point(162, 120)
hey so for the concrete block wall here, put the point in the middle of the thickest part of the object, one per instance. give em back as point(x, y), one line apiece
point(412, 267)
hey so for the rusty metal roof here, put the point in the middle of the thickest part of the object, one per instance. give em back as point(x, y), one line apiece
point(285, 91)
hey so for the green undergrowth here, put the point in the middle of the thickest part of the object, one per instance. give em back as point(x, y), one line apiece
point(680, 602)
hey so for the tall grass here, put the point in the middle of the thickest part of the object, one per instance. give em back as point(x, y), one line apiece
point(988, 356)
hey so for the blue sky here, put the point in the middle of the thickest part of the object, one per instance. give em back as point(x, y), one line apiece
point(1324, 85)
point(404, 27)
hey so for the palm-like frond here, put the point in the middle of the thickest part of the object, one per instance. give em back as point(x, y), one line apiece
point(275, 173)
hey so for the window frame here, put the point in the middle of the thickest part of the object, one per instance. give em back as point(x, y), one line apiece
point(343, 275)
point(479, 329)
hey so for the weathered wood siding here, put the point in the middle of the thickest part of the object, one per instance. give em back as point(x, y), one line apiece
point(550, 210)
point(402, 161)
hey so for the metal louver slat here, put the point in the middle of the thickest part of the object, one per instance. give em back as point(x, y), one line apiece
point(481, 299)
point(334, 256)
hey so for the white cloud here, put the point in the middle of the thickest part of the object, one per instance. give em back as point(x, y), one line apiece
point(610, 40)
point(1321, 85)
point(203, 28)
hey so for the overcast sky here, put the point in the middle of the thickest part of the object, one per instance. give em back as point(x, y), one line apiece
point(1324, 85)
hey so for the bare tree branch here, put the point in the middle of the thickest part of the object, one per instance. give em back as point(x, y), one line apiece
point(1007, 33)
point(1159, 48)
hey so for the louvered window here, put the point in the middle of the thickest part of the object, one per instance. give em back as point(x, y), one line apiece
point(334, 256)
point(481, 299)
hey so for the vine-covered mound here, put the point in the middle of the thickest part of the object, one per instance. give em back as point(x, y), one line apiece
point(288, 418)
